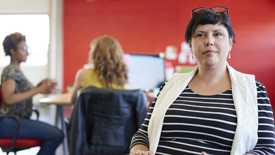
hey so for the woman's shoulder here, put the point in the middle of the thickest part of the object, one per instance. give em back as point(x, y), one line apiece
point(83, 72)
point(10, 71)
point(10, 68)
point(263, 98)
point(260, 86)
point(86, 77)
point(262, 93)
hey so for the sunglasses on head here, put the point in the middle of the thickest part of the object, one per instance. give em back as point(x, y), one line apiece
point(216, 9)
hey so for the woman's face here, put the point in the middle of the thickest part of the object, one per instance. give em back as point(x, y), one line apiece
point(211, 44)
point(21, 53)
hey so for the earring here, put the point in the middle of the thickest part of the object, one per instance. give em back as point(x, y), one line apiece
point(229, 56)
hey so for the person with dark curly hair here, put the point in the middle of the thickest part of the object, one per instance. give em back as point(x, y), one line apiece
point(17, 94)
point(215, 109)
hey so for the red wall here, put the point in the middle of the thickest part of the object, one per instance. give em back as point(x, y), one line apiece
point(150, 25)
point(141, 26)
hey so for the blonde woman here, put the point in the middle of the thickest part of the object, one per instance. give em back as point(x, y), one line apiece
point(106, 68)
point(124, 113)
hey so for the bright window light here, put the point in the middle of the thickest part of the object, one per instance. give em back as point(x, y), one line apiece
point(35, 28)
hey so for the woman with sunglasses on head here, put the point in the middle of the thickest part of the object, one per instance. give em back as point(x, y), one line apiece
point(213, 110)
point(17, 93)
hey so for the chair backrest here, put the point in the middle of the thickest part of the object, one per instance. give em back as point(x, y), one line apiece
point(1, 95)
point(110, 118)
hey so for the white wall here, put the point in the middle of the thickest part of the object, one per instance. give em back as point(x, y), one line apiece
point(55, 57)
point(56, 41)
point(54, 9)
point(24, 6)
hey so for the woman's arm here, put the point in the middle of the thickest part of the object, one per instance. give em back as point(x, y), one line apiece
point(140, 143)
point(10, 97)
point(76, 85)
point(266, 130)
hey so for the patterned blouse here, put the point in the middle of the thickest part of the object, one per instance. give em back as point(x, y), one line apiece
point(23, 108)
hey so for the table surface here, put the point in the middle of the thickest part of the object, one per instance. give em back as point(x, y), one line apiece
point(58, 99)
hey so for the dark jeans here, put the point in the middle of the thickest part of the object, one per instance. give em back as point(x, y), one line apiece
point(49, 135)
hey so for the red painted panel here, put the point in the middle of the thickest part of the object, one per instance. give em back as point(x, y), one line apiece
point(148, 26)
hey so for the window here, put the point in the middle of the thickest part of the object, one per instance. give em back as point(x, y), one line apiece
point(36, 29)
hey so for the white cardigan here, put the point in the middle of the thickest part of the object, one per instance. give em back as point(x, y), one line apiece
point(245, 100)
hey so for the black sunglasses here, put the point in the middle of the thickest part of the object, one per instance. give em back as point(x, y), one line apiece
point(216, 9)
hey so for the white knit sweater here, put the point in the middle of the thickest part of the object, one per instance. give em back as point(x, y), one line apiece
point(245, 100)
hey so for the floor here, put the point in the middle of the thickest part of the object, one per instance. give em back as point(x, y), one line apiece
point(32, 151)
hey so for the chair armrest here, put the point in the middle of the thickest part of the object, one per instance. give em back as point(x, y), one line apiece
point(36, 113)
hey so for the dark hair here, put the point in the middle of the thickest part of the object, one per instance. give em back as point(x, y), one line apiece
point(208, 16)
point(11, 41)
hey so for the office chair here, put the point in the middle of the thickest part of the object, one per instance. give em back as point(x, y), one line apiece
point(14, 144)
point(104, 121)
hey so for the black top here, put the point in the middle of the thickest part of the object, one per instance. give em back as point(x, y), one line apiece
point(104, 121)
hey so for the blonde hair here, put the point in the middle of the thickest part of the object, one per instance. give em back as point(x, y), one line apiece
point(107, 56)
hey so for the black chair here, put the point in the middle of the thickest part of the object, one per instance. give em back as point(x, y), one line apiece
point(104, 121)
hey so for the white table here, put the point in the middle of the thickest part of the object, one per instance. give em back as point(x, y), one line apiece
point(60, 100)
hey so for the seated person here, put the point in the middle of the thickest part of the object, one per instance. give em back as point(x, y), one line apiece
point(17, 93)
point(106, 76)
point(106, 68)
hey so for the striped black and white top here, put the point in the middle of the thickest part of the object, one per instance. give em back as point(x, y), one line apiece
point(195, 123)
